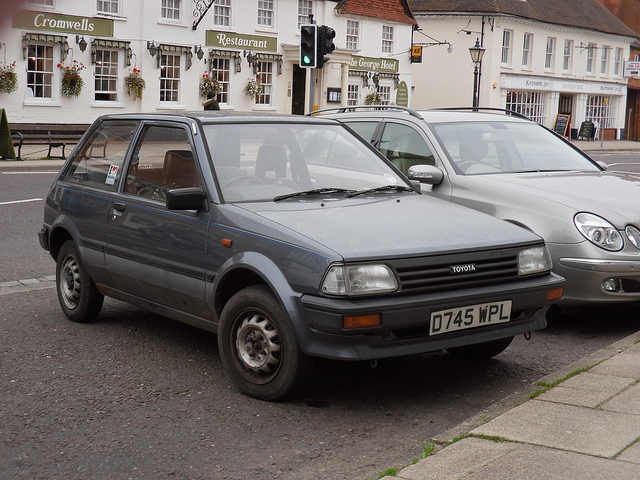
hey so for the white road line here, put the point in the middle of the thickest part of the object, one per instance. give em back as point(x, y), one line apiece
point(29, 172)
point(22, 201)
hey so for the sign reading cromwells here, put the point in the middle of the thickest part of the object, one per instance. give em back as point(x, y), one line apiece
point(237, 40)
point(63, 23)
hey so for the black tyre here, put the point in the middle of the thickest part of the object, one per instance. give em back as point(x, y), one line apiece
point(481, 350)
point(79, 298)
point(258, 347)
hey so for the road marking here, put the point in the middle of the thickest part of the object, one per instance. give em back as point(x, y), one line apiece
point(29, 172)
point(22, 201)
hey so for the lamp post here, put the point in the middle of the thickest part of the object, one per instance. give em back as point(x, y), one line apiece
point(476, 57)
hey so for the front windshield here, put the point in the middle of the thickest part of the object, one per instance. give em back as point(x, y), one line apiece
point(267, 161)
point(508, 147)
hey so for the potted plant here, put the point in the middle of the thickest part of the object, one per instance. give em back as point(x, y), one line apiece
point(373, 98)
point(8, 78)
point(71, 80)
point(253, 89)
point(135, 84)
point(209, 83)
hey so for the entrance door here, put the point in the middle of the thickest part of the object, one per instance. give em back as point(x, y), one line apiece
point(565, 104)
point(298, 95)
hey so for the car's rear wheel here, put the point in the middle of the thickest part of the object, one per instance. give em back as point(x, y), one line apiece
point(258, 347)
point(481, 350)
point(79, 298)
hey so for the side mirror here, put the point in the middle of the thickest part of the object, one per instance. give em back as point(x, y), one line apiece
point(191, 198)
point(426, 174)
point(602, 164)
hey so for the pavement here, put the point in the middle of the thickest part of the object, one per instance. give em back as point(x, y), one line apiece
point(582, 421)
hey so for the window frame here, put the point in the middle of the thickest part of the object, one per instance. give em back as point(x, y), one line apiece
point(507, 45)
point(604, 61)
point(266, 72)
point(387, 39)
point(617, 62)
point(527, 44)
point(353, 35)
point(112, 3)
point(305, 8)
point(550, 55)
point(567, 56)
point(34, 73)
point(222, 13)
point(177, 87)
point(223, 75)
point(109, 77)
point(592, 49)
point(266, 14)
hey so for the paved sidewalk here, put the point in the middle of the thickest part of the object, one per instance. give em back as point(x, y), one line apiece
point(587, 426)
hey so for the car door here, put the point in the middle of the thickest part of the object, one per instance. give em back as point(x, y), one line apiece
point(151, 252)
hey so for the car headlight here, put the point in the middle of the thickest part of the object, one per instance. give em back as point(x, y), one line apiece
point(633, 234)
point(534, 260)
point(359, 280)
point(598, 231)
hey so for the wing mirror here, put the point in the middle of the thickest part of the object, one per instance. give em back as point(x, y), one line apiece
point(191, 198)
point(426, 174)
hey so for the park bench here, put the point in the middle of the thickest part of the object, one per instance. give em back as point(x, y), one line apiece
point(51, 136)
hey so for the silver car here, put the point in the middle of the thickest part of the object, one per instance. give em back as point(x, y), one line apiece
point(517, 170)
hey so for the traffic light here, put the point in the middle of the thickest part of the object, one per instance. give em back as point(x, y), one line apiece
point(308, 45)
point(325, 44)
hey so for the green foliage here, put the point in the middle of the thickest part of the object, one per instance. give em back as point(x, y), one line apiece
point(135, 84)
point(8, 78)
point(72, 82)
point(209, 83)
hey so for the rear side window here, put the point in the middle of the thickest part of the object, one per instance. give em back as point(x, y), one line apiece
point(99, 162)
point(364, 129)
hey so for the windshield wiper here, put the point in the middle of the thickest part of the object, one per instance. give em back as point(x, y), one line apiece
point(384, 188)
point(315, 191)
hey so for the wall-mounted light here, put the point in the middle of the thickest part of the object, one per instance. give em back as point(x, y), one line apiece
point(81, 42)
point(199, 52)
point(153, 50)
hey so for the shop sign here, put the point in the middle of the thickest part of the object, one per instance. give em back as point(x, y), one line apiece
point(402, 95)
point(237, 40)
point(374, 64)
point(631, 69)
point(63, 23)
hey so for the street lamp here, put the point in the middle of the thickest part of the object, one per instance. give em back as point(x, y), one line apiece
point(476, 53)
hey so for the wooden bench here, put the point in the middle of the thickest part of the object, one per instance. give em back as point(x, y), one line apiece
point(45, 135)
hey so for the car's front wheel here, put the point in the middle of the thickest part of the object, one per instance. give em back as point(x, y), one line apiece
point(481, 350)
point(78, 295)
point(258, 347)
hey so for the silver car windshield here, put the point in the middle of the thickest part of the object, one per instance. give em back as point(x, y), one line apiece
point(508, 147)
point(274, 161)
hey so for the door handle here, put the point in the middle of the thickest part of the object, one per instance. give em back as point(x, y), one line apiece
point(119, 207)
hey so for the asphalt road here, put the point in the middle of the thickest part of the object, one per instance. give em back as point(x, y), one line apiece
point(138, 396)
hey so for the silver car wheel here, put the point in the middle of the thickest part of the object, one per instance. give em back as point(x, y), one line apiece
point(258, 344)
point(70, 282)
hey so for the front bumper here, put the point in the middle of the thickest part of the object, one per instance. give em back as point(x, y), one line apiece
point(405, 320)
point(585, 277)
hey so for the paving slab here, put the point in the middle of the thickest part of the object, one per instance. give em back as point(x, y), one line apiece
point(566, 427)
point(626, 402)
point(587, 389)
point(626, 364)
point(631, 454)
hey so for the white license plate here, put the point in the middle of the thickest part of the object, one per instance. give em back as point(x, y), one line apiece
point(472, 316)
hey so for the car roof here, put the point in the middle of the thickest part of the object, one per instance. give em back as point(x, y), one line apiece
point(215, 116)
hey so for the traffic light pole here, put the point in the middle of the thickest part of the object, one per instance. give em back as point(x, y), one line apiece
point(312, 78)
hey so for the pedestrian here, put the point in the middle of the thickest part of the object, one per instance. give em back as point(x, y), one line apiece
point(211, 103)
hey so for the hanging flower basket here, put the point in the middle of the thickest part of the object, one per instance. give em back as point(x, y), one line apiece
point(209, 83)
point(373, 98)
point(72, 82)
point(8, 78)
point(253, 89)
point(135, 84)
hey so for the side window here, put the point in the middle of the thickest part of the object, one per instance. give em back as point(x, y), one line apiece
point(162, 160)
point(99, 163)
point(404, 146)
point(364, 129)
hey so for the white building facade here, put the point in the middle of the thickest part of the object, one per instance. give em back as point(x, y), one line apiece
point(235, 41)
point(535, 68)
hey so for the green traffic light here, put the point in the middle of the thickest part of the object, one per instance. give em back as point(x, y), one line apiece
point(306, 60)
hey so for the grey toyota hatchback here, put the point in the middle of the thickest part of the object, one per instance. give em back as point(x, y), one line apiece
point(288, 237)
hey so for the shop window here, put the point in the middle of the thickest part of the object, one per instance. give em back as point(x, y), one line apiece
point(601, 108)
point(353, 95)
point(531, 104)
point(106, 75)
point(40, 71)
point(221, 68)
point(169, 78)
point(266, 80)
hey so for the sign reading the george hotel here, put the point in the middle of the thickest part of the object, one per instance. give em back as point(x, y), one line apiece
point(237, 40)
point(63, 23)
point(389, 65)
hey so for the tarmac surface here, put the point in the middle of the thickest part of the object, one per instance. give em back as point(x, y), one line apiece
point(584, 422)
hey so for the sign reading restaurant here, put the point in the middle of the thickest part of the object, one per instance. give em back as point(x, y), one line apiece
point(237, 40)
point(63, 23)
point(388, 65)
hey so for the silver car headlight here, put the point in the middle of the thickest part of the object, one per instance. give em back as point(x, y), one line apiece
point(359, 280)
point(633, 234)
point(534, 260)
point(598, 231)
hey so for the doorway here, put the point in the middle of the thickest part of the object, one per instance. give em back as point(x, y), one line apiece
point(299, 93)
